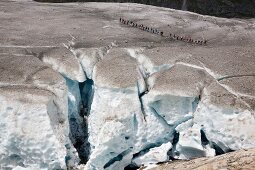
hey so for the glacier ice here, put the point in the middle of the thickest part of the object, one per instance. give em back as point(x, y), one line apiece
point(145, 101)
point(88, 57)
point(111, 113)
point(229, 127)
point(116, 128)
point(121, 135)
point(190, 145)
point(125, 109)
point(154, 155)
point(22, 168)
point(34, 125)
point(63, 61)
point(28, 136)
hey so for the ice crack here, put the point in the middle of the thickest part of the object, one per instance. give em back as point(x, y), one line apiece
point(117, 158)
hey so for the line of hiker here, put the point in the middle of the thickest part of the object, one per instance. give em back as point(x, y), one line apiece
point(161, 33)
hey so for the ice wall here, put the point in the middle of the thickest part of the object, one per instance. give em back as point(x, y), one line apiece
point(126, 108)
point(28, 135)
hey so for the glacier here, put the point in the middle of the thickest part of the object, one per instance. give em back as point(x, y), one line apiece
point(130, 112)
point(117, 98)
point(161, 111)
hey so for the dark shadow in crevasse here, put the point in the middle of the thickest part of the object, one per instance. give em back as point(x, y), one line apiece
point(78, 110)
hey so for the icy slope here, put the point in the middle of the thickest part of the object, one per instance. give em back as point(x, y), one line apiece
point(34, 108)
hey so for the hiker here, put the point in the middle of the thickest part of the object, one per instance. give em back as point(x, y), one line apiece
point(161, 33)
